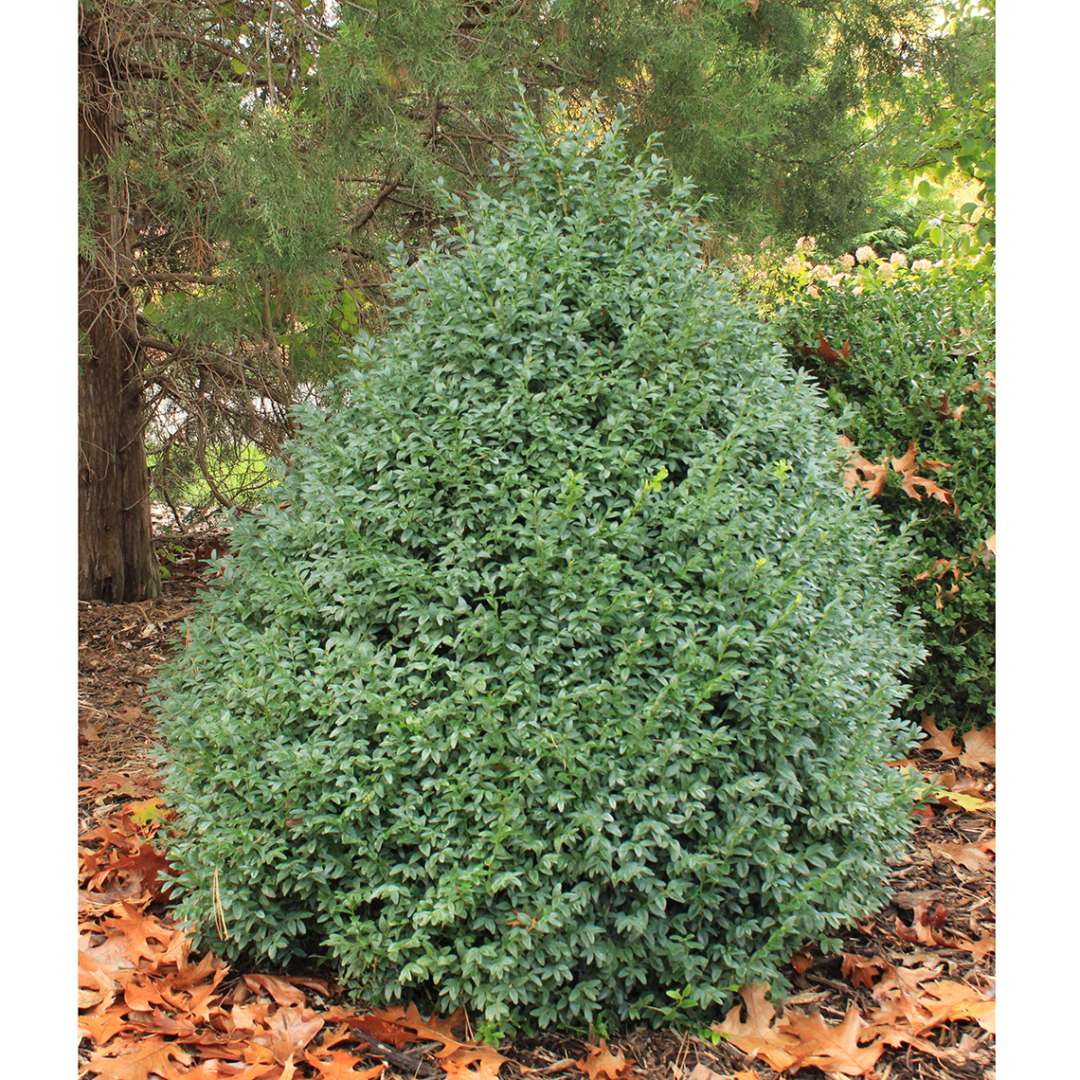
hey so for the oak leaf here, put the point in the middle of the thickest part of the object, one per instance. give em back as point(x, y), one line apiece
point(128, 886)
point(163, 1023)
point(907, 462)
point(142, 996)
point(862, 970)
point(138, 930)
point(911, 482)
point(899, 994)
point(862, 472)
point(247, 1017)
point(189, 975)
point(283, 991)
point(291, 1030)
point(101, 1026)
point(964, 785)
point(477, 1062)
point(979, 748)
point(940, 740)
point(600, 1061)
point(110, 956)
point(150, 1056)
point(433, 1028)
point(199, 1001)
point(801, 961)
point(979, 948)
point(339, 1066)
point(827, 352)
point(833, 1049)
point(758, 1035)
point(951, 1000)
point(377, 1027)
point(148, 863)
point(970, 856)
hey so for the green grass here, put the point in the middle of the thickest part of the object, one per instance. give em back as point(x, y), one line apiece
point(240, 474)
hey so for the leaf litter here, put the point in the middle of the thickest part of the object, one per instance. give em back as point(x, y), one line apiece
point(909, 996)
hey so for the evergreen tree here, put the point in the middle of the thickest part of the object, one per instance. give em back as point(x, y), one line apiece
point(243, 164)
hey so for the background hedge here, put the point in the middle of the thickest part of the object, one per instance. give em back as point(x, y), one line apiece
point(920, 368)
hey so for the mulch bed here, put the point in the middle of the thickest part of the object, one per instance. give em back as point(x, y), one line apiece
point(940, 918)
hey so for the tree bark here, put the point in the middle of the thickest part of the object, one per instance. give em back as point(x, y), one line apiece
point(116, 553)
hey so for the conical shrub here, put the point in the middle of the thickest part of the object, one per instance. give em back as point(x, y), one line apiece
point(562, 671)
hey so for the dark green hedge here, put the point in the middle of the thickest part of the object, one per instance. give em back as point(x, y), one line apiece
point(562, 671)
point(920, 368)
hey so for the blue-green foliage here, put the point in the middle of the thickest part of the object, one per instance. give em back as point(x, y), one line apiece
point(562, 671)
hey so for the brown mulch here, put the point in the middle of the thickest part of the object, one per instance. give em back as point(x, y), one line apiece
point(120, 648)
point(941, 914)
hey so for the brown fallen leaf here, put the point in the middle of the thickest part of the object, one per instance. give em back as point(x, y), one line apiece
point(477, 1062)
point(142, 995)
point(912, 483)
point(247, 1017)
point(148, 863)
point(801, 961)
point(702, 1072)
point(137, 1061)
point(138, 930)
point(985, 944)
point(600, 1061)
point(947, 999)
point(163, 1023)
point(907, 462)
point(100, 1027)
point(110, 956)
point(899, 994)
point(200, 998)
point(962, 784)
point(827, 352)
point(283, 991)
point(979, 748)
point(971, 856)
point(758, 1035)
point(940, 740)
point(127, 886)
point(434, 1028)
point(862, 970)
point(377, 1027)
point(834, 1048)
point(291, 1029)
point(338, 1065)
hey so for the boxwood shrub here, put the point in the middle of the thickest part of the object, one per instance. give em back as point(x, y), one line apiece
point(561, 672)
point(920, 367)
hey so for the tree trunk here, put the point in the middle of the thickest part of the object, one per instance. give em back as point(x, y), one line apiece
point(116, 554)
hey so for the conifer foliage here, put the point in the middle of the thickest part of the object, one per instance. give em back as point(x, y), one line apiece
point(562, 671)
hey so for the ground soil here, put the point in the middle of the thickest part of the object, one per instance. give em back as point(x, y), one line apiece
point(121, 646)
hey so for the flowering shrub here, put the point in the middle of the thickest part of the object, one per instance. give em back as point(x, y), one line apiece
point(561, 673)
point(906, 358)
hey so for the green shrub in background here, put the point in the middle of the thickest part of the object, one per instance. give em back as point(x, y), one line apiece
point(561, 671)
point(919, 369)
